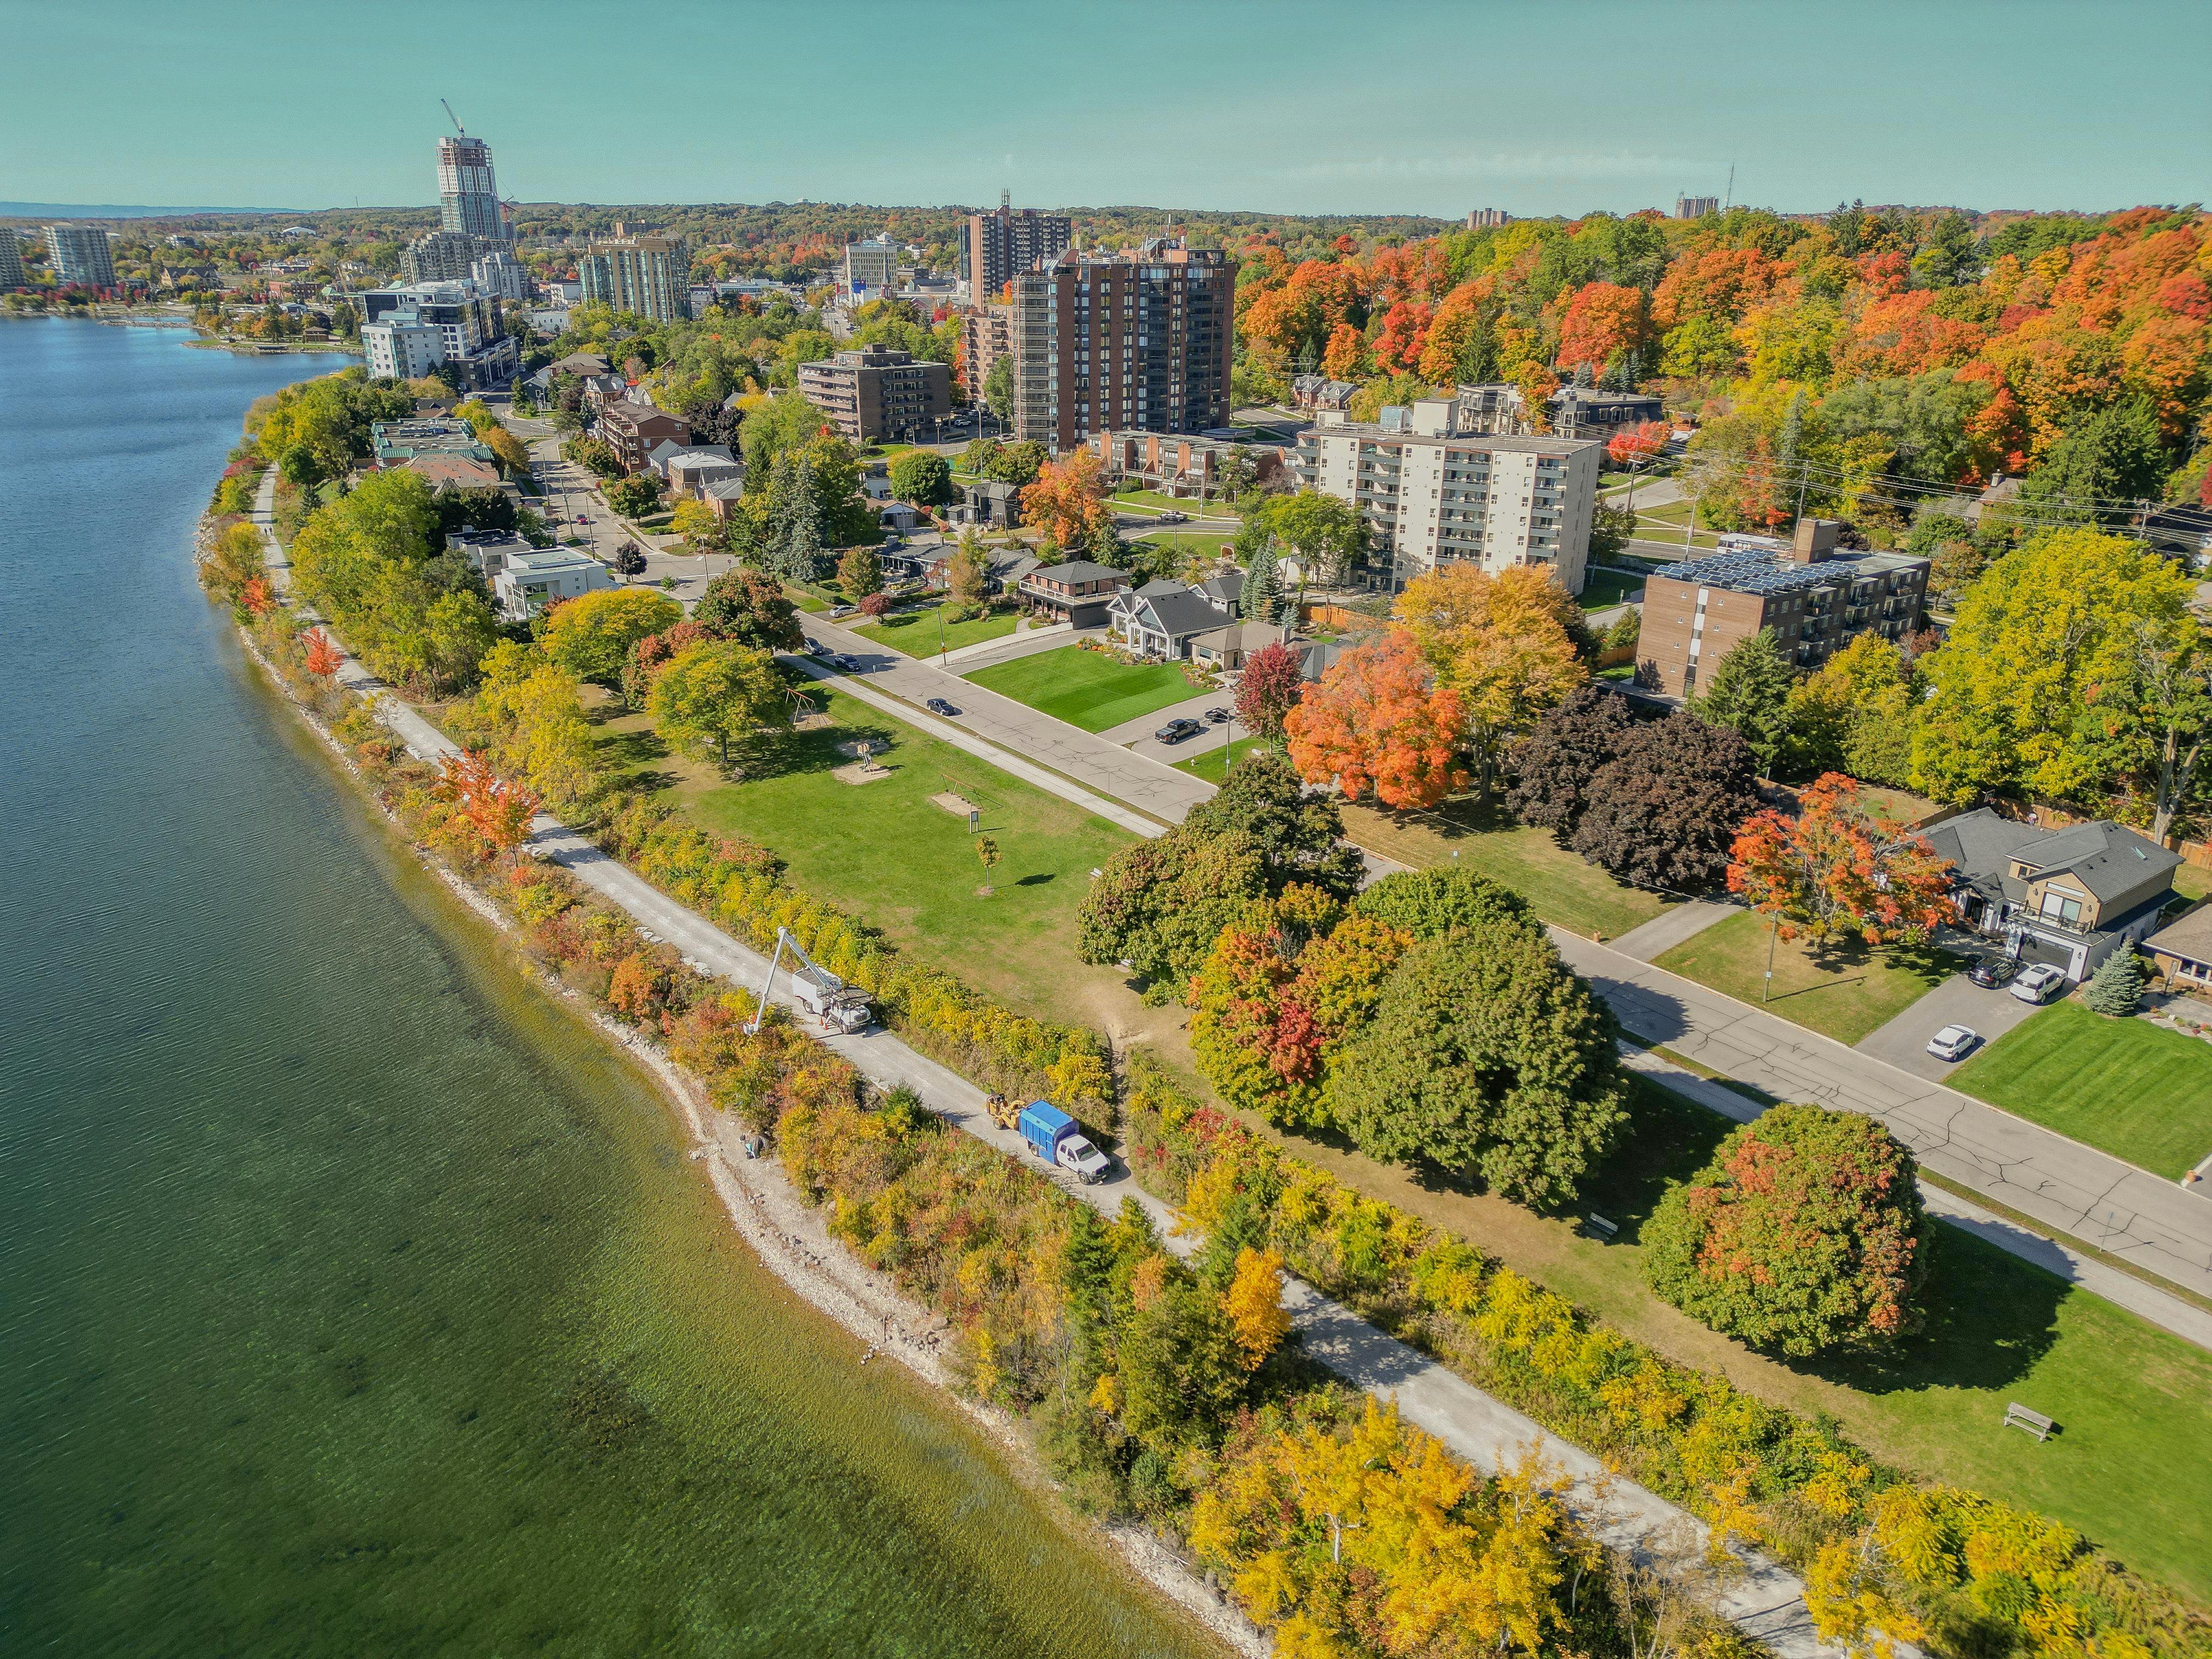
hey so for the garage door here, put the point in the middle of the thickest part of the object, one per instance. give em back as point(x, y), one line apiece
point(2031, 949)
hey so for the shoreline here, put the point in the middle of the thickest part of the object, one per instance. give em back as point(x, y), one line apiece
point(792, 1240)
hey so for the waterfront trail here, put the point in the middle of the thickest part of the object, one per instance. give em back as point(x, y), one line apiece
point(1760, 1597)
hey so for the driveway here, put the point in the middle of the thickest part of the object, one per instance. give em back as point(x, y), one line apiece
point(1136, 735)
point(1956, 1001)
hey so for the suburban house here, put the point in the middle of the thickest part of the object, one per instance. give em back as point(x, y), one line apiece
point(2069, 897)
point(601, 390)
point(723, 496)
point(689, 471)
point(1162, 618)
point(2182, 952)
point(634, 430)
point(1319, 391)
point(1317, 656)
point(1226, 590)
point(1225, 649)
point(444, 470)
point(1075, 591)
point(991, 503)
point(531, 581)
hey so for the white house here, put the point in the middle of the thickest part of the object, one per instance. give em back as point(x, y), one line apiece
point(1161, 618)
point(529, 581)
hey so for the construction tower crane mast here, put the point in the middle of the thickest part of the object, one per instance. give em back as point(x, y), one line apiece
point(455, 119)
point(817, 990)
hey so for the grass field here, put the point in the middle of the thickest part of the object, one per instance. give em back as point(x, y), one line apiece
point(1087, 689)
point(2124, 1086)
point(916, 632)
point(1603, 589)
point(1842, 993)
point(1191, 541)
point(1153, 498)
point(1214, 762)
point(886, 852)
point(1668, 522)
point(1563, 889)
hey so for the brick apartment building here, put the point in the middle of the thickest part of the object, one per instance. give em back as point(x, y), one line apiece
point(635, 430)
point(1815, 597)
point(878, 392)
point(1002, 244)
point(987, 335)
point(1138, 342)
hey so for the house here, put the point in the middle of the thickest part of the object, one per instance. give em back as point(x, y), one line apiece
point(897, 515)
point(992, 503)
point(658, 457)
point(487, 550)
point(584, 365)
point(1226, 648)
point(531, 581)
point(2069, 897)
point(1225, 589)
point(602, 389)
point(1317, 656)
point(1162, 618)
point(1319, 391)
point(443, 471)
point(689, 470)
point(722, 496)
point(2000, 491)
point(634, 431)
point(2182, 952)
point(1075, 591)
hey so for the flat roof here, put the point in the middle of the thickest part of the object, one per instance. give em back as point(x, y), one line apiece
point(1771, 573)
point(1510, 443)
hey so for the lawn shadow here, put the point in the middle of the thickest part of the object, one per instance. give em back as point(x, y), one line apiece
point(818, 749)
point(1035, 881)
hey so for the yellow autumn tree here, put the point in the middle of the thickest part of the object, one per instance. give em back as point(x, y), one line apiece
point(1254, 1303)
point(1501, 642)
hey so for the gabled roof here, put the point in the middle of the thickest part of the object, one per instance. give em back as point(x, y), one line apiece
point(726, 490)
point(2189, 937)
point(2107, 859)
point(1076, 571)
point(1171, 609)
point(1225, 590)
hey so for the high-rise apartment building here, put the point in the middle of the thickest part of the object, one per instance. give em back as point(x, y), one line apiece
point(1696, 207)
point(468, 195)
point(1002, 244)
point(11, 259)
point(440, 256)
point(1126, 342)
point(1430, 492)
point(1488, 218)
point(650, 275)
point(81, 256)
point(871, 268)
point(500, 274)
point(987, 336)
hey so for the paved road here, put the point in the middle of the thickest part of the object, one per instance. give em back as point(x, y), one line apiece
point(1956, 1001)
point(1765, 1600)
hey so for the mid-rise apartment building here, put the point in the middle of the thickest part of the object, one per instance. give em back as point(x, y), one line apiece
point(11, 259)
point(1815, 597)
point(81, 256)
point(396, 324)
point(878, 392)
point(1696, 207)
point(650, 275)
point(871, 268)
point(1431, 492)
point(986, 336)
point(1487, 218)
point(1136, 341)
point(500, 275)
point(1002, 244)
point(468, 194)
point(439, 256)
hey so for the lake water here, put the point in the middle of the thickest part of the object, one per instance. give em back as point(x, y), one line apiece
point(358, 1301)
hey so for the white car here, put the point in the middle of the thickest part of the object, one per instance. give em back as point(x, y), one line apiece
point(2037, 982)
point(1077, 1155)
point(1952, 1041)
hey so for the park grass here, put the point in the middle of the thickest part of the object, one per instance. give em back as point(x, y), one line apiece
point(1603, 589)
point(1653, 522)
point(1214, 764)
point(890, 856)
point(2126, 1086)
point(1086, 688)
point(1565, 889)
point(914, 633)
point(1190, 541)
point(1214, 507)
point(1844, 992)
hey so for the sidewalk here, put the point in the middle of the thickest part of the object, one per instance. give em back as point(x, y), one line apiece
point(1670, 928)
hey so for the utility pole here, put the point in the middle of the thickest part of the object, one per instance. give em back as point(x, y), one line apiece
point(1690, 534)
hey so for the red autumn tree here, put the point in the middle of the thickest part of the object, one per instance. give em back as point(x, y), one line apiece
point(323, 657)
point(257, 596)
point(1341, 359)
point(1065, 501)
point(1603, 321)
point(498, 810)
point(1405, 331)
point(1640, 442)
point(1273, 682)
point(1838, 868)
point(1374, 722)
point(876, 606)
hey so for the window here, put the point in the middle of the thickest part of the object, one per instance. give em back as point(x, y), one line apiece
point(2057, 907)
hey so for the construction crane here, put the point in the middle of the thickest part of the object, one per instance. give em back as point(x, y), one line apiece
point(818, 991)
point(455, 119)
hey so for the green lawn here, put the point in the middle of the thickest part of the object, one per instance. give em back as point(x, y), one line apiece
point(1216, 760)
point(1087, 689)
point(805, 601)
point(1201, 541)
point(1603, 589)
point(916, 632)
point(1563, 889)
point(2124, 1086)
point(1842, 993)
point(1668, 522)
point(888, 854)
point(1134, 498)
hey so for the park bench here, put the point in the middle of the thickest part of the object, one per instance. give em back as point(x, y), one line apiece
point(2018, 1416)
point(1597, 1227)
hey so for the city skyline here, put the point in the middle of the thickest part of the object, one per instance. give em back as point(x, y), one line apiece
point(1445, 108)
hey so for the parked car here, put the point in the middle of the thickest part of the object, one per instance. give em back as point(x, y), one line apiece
point(1994, 973)
point(939, 706)
point(2038, 982)
point(815, 648)
point(851, 664)
point(1217, 717)
point(1176, 730)
point(839, 610)
point(1173, 517)
point(1954, 1042)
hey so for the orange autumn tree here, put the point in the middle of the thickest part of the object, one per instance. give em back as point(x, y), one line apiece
point(1066, 501)
point(1374, 722)
point(323, 657)
point(1346, 354)
point(1642, 442)
point(499, 812)
point(1840, 868)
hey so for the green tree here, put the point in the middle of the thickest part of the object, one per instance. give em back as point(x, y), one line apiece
point(1327, 537)
point(1261, 599)
point(2115, 990)
point(591, 635)
point(714, 694)
point(1805, 1234)
point(922, 476)
point(749, 607)
point(1486, 1056)
point(968, 571)
point(795, 519)
point(2105, 464)
point(998, 388)
point(1611, 529)
point(1299, 835)
point(1749, 694)
point(861, 573)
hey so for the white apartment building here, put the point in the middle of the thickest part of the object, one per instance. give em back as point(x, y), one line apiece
point(401, 347)
point(501, 275)
point(871, 269)
point(1430, 493)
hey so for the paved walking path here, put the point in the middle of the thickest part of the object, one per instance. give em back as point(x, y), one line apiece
point(1765, 1600)
point(1670, 928)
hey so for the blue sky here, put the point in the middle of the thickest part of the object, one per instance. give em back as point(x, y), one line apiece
point(1359, 105)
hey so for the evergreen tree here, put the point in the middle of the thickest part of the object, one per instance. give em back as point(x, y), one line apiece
point(1262, 599)
point(2117, 986)
point(1787, 455)
point(794, 538)
point(1749, 694)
